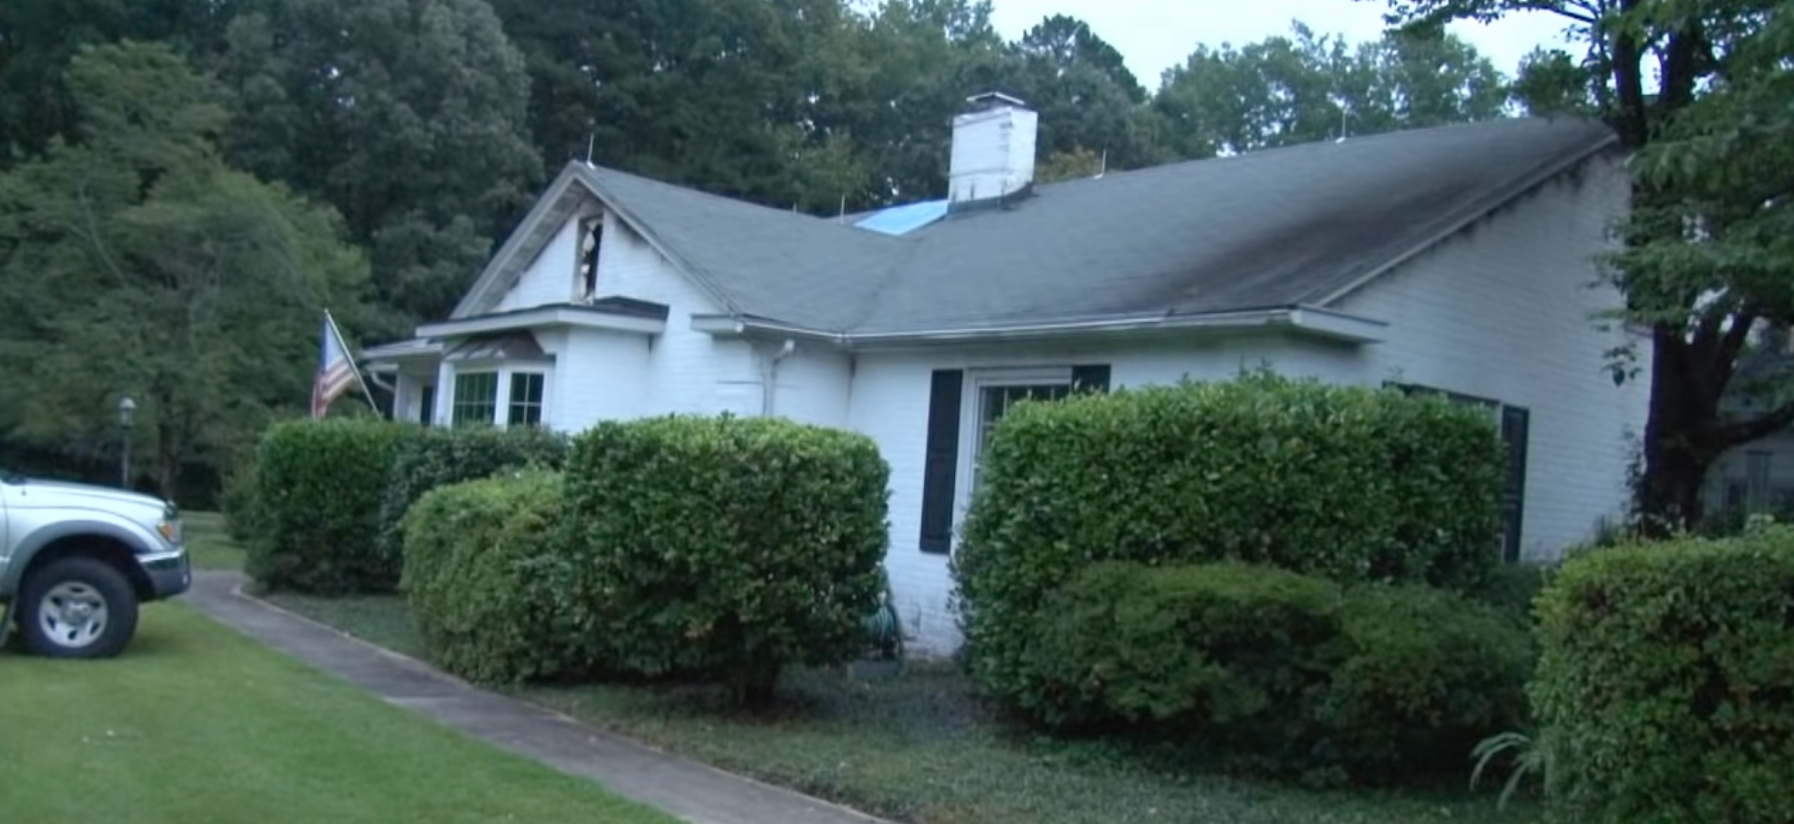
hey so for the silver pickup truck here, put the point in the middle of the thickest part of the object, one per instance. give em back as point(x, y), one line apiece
point(76, 560)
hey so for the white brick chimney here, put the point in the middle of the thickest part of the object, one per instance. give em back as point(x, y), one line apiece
point(993, 149)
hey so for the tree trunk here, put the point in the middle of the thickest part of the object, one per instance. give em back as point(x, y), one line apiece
point(1676, 456)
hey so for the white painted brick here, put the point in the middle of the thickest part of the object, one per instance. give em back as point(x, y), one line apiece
point(1505, 311)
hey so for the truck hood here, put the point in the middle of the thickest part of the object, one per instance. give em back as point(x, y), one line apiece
point(33, 493)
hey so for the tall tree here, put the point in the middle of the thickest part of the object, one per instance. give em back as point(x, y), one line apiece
point(1304, 87)
point(133, 260)
point(408, 116)
point(1699, 268)
point(38, 37)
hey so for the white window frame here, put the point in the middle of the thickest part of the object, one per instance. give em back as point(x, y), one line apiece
point(504, 393)
point(501, 394)
point(971, 414)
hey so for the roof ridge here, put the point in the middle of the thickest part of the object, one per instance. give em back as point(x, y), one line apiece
point(1260, 154)
point(795, 217)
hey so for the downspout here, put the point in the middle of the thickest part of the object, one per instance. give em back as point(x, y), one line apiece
point(769, 374)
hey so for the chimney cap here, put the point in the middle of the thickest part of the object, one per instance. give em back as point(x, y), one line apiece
point(990, 100)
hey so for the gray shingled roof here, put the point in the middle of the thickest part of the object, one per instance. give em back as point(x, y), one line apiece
point(767, 263)
point(1267, 229)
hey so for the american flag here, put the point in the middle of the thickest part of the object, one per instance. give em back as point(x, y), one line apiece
point(336, 373)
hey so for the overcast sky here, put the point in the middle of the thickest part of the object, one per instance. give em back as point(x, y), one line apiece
point(1154, 35)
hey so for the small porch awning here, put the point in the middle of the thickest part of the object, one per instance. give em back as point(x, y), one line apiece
point(514, 346)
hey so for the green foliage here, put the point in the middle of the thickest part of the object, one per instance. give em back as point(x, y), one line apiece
point(1530, 758)
point(134, 261)
point(491, 582)
point(1417, 677)
point(1302, 88)
point(1666, 681)
point(1346, 483)
point(439, 456)
point(319, 486)
point(1275, 671)
point(1225, 652)
point(1511, 589)
point(730, 546)
point(407, 115)
point(240, 500)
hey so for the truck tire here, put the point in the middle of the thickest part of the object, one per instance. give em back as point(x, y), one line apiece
point(77, 607)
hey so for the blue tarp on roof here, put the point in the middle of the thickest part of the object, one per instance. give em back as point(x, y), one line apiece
point(901, 220)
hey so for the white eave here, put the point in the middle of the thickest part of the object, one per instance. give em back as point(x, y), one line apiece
point(543, 317)
point(1307, 319)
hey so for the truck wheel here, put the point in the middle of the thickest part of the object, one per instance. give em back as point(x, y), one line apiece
point(77, 608)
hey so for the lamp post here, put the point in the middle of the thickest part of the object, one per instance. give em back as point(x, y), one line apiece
point(127, 409)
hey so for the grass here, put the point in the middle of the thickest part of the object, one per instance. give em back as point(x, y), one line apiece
point(208, 542)
point(920, 748)
point(195, 724)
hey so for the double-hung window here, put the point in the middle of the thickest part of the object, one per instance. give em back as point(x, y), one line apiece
point(526, 399)
point(477, 398)
point(995, 397)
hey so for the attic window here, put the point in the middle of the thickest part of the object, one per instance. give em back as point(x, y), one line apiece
point(591, 236)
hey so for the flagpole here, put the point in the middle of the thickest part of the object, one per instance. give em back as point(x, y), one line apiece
point(349, 355)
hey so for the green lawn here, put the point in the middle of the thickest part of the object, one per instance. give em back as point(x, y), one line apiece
point(919, 748)
point(195, 723)
point(208, 543)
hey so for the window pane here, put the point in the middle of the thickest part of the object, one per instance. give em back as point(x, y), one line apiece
point(476, 398)
point(526, 398)
point(996, 401)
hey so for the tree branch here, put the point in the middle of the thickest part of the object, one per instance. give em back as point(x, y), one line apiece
point(1721, 437)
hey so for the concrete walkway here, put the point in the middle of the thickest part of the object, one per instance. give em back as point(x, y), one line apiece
point(687, 789)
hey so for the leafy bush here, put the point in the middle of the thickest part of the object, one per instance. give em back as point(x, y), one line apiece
point(1418, 677)
point(1512, 588)
point(1346, 483)
point(1276, 671)
point(490, 582)
point(728, 546)
point(318, 488)
point(438, 456)
point(1227, 653)
point(1666, 681)
point(240, 502)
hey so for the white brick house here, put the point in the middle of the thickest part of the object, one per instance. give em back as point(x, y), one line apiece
point(1458, 259)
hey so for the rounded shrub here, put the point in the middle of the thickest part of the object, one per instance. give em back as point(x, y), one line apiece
point(318, 486)
point(1272, 671)
point(1226, 653)
point(1349, 484)
point(438, 456)
point(1416, 678)
point(491, 582)
point(730, 547)
point(1665, 684)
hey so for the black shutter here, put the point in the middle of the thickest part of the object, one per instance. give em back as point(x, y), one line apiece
point(427, 414)
point(1515, 423)
point(1090, 378)
point(941, 467)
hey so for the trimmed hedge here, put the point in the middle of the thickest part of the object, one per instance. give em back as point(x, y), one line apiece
point(438, 456)
point(318, 487)
point(730, 547)
point(1416, 677)
point(1346, 483)
point(492, 584)
point(1227, 652)
point(1666, 682)
point(1273, 671)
